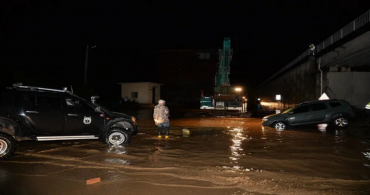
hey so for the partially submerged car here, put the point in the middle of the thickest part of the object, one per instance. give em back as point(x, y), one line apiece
point(336, 112)
point(42, 114)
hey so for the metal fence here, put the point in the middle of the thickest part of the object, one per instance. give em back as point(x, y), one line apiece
point(346, 30)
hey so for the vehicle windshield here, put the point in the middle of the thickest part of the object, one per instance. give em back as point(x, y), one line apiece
point(286, 111)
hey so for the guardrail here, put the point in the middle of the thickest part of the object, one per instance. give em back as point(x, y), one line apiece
point(346, 30)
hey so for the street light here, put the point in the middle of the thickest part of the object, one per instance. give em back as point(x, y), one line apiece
point(87, 61)
point(238, 89)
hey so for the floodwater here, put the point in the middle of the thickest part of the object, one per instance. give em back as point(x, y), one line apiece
point(217, 156)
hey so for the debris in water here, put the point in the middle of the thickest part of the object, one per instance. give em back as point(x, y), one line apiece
point(185, 132)
point(93, 181)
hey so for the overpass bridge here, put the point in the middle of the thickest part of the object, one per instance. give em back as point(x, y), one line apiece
point(339, 66)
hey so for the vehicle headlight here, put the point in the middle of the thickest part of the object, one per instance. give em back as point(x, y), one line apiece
point(265, 119)
point(133, 119)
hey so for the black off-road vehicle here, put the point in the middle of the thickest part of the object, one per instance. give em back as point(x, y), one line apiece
point(42, 114)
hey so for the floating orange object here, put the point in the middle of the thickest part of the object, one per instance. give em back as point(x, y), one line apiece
point(93, 181)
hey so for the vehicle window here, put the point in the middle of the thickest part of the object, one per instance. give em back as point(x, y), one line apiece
point(301, 109)
point(334, 104)
point(7, 98)
point(69, 102)
point(319, 106)
point(28, 101)
point(75, 104)
point(48, 102)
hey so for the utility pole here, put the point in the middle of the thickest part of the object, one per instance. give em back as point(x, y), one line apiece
point(87, 62)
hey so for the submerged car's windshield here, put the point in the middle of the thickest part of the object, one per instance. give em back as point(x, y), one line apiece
point(290, 109)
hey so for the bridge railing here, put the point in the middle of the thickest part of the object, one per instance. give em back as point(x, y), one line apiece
point(346, 30)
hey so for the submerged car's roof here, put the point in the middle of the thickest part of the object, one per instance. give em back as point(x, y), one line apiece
point(316, 101)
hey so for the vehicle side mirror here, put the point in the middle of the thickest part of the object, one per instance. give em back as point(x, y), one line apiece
point(94, 98)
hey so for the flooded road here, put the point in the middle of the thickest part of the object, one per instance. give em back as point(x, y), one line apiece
point(218, 156)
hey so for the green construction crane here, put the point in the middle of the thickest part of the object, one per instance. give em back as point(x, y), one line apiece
point(222, 85)
point(225, 96)
point(223, 71)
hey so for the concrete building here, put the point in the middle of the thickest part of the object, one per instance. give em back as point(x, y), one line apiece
point(338, 66)
point(186, 73)
point(141, 92)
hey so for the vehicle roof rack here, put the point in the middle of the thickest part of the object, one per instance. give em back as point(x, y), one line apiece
point(41, 88)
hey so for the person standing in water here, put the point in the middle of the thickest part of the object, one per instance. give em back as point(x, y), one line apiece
point(160, 115)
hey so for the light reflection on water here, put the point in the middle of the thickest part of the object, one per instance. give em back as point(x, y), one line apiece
point(366, 153)
point(117, 161)
point(279, 137)
point(117, 149)
point(263, 133)
point(239, 136)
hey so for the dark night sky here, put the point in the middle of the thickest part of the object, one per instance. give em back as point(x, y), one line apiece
point(45, 40)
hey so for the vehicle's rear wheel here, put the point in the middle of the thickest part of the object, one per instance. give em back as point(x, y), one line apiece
point(280, 125)
point(340, 121)
point(118, 137)
point(7, 146)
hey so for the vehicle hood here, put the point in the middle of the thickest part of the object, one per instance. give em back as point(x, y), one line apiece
point(275, 116)
point(120, 115)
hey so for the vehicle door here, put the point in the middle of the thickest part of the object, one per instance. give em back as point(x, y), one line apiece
point(318, 113)
point(81, 117)
point(299, 115)
point(44, 112)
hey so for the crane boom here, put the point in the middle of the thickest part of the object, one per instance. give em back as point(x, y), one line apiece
point(225, 55)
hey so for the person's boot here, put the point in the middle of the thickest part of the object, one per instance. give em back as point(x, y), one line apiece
point(167, 131)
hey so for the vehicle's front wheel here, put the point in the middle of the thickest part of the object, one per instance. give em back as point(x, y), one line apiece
point(7, 146)
point(340, 121)
point(117, 137)
point(280, 125)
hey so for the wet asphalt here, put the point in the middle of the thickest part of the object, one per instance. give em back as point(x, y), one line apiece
point(202, 156)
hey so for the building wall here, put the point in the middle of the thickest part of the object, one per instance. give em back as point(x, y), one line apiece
point(185, 73)
point(144, 90)
point(295, 86)
point(351, 86)
point(157, 94)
